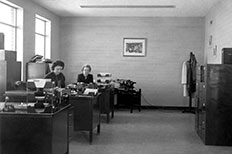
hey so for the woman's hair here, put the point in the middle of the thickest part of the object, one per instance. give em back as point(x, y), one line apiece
point(57, 63)
point(88, 66)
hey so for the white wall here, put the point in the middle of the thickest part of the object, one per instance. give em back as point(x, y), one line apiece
point(220, 29)
point(30, 9)
point(98, 41)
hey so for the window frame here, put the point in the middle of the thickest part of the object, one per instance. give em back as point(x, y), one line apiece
point(18, 32)
point(46, 36)
point(14, 26)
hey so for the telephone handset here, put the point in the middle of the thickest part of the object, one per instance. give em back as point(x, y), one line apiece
point(34, 58)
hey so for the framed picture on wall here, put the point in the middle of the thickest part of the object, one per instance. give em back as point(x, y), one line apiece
point(134, 47)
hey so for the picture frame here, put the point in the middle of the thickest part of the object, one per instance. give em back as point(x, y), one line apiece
point(134, 47)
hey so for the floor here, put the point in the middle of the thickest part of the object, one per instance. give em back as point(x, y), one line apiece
point(146, 132)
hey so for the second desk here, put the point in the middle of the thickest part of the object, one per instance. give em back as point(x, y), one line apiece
point(86, 113)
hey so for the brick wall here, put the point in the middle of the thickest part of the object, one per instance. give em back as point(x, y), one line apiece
point(98, 41)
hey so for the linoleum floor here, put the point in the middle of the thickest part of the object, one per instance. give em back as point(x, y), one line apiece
point(145, 132)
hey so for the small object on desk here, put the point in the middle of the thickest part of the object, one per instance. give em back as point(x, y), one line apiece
point(30, 109)
point(39, 105)
point(89, 91)
point(8, 108)
point(39, 83)
point(40, 110)
point(104, 78)
point(2, 105)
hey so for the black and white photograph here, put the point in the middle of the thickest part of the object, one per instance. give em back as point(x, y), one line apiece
point(115, 77)
point(134, 47)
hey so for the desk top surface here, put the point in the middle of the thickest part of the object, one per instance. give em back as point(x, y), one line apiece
point(19, 93)
point(21, 109)
point(85, 96)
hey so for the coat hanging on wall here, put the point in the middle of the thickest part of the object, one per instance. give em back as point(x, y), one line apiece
point(191, 74)
point(188, 79)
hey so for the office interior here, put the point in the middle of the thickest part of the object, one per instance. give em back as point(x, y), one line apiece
point(98, 39)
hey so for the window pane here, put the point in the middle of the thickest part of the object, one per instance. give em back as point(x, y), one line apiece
point(40, 26)
point(39, 45)
point(7, 14)
point(9, 34)
point(42, 36)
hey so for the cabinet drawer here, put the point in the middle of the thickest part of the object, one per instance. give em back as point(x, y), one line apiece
point(203, 135)
point(202, 87)
point(202, 119)
point(202, 103)
point(203, 123)
point(202, 95)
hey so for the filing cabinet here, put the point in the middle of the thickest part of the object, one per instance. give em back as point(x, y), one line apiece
point(213, 121)
point(10, 71)
point(227, 56)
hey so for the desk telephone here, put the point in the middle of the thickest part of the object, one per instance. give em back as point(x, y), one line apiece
point(8, 108)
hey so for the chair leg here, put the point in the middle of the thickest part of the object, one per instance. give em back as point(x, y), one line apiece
point(131, 107)
point(108, 117)
point(112, 113)
point(98, 128)
point(90, 136)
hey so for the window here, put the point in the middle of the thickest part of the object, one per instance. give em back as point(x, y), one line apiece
point(11, 23)
point(43, 37)
point(8, 25)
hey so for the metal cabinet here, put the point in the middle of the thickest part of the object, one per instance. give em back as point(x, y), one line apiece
point(213, 121)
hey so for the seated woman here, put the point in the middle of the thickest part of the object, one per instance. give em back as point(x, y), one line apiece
point(85, 76)
point(56, 74)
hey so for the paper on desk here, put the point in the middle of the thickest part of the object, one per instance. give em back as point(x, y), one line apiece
point(2, 105)
point(88, 90)
point(39, 83)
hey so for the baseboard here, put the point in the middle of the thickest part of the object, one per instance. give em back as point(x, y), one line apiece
point(166, 107)
point(145, 107)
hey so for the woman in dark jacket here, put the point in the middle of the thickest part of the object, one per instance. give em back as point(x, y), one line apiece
point(85, 76)
point(56, 74)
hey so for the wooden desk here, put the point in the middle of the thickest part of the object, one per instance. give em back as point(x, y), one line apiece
point(107, 101)
point(34, 133)
point(129, 98)
point(86, 113)
point(20, 96)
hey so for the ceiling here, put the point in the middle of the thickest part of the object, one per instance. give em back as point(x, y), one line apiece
point(131, 8)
